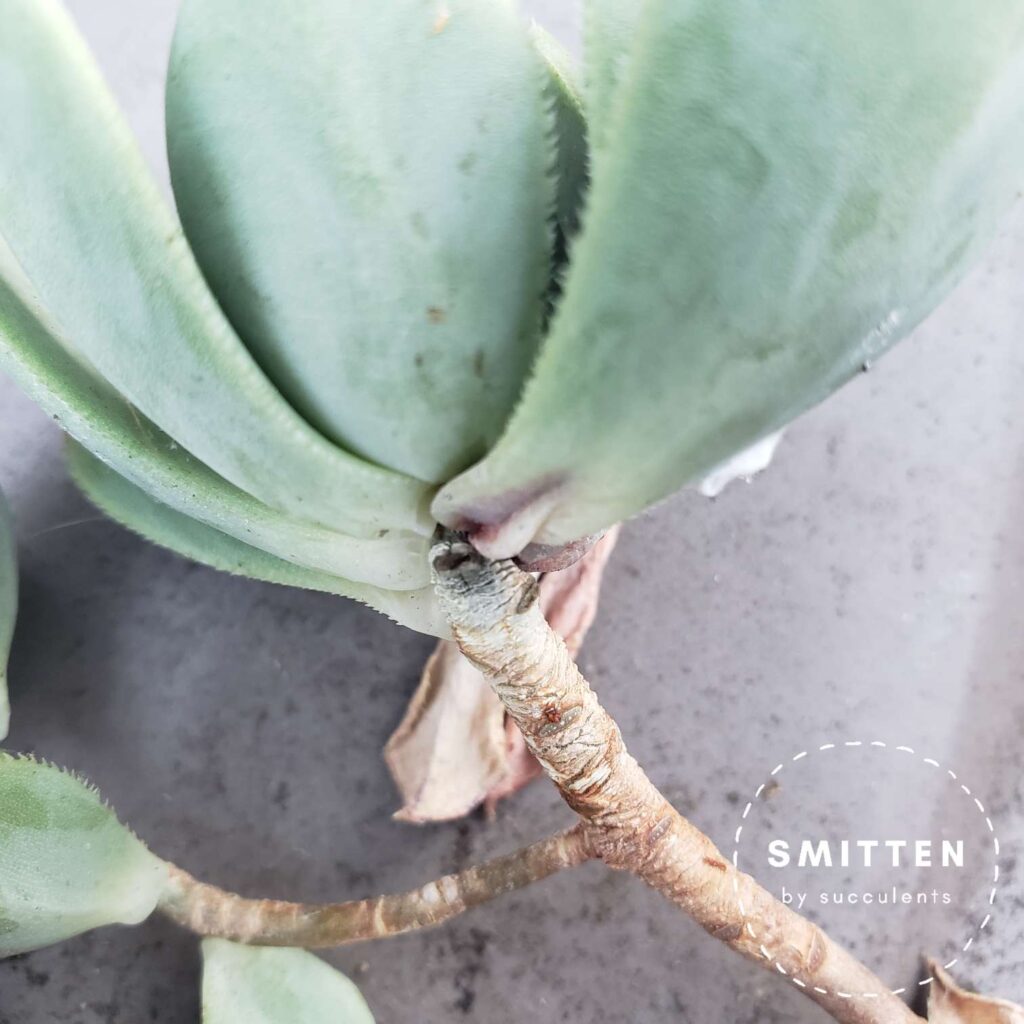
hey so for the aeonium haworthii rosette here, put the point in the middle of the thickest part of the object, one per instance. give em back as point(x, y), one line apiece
point(302, 381)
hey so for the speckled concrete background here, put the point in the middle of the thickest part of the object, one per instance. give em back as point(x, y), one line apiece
point(869, 586)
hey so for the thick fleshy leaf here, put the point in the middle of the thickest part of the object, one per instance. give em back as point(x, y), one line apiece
point(132, 507)
point(609, 32)
point(104, 422)
point(8, 606)
point(366, 187)
point(791, 189)
point(245, 985)
point(66, 863)
point(87, 226)
point(950, 1004)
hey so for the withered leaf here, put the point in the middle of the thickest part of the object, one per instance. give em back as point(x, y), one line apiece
point(950, 1004)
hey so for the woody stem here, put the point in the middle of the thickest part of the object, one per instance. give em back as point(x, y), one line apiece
point(206, 910)
point(492, 608)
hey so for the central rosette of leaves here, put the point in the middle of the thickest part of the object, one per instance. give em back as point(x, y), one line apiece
point(425, 277)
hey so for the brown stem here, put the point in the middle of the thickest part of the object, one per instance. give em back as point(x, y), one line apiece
point(207, 910)
point(495, 618)
point(456, 747)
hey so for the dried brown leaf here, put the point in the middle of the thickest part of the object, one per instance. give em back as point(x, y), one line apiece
point(450, 747)
point(950, 1004)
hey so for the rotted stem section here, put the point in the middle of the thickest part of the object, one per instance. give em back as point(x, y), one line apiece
point(207, 910)
point(493, 611)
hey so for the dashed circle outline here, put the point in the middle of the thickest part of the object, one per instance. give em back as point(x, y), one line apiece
point(878, 745)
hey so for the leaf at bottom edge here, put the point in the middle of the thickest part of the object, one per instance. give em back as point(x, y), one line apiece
point(246, 985)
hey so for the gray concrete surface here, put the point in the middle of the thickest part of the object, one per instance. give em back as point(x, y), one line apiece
point(869, 586)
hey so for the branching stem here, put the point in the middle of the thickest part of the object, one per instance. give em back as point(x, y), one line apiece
point(492, 608)
point(207, 910)
point(625, 820)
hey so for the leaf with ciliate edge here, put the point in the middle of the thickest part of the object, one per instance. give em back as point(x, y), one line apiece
point(950, 1004)
point(394, 288)
point(570, 126)
point(8, 605)
point(88, 408)
point(245, 985)
point(67, 865)
point(85, 224)
point(132, 507)
point(791, 190)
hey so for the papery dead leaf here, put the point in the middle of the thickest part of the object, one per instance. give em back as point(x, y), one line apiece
point(950, 1004)
point(449, 749)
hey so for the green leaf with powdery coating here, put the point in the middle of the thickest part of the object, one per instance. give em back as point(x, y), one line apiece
point(132, 507)
point(89, 409)
point(790, 190)
point(67, 865)
point(8, 606)
point(244, 985)
point(88, 228)
point(366, 187)
point(609, 31)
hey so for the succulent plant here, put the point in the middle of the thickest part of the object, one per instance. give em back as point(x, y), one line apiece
point(368, 325)
point(431, 314)
point(67, 865)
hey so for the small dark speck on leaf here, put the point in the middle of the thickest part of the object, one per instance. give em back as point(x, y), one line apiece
point(478, 362)
point(436, 315)
point(419, 225)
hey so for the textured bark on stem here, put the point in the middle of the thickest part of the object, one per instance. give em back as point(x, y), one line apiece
point(495, 618)
point(207, 910)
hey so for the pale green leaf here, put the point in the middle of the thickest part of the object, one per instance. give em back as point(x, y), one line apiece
point(132, 507)
point(87, 227)
point(609, 32)
point(790, 190)
point(245, 985)
point(366, 187)
point(104, 422)
point(8, 606)
point(66, 863)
